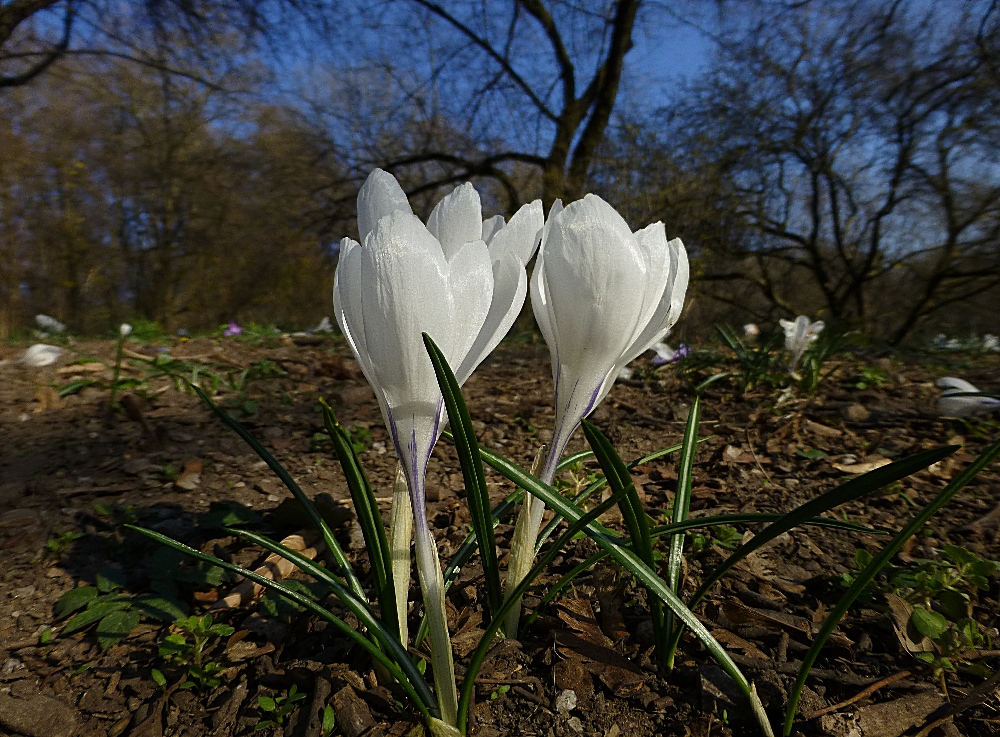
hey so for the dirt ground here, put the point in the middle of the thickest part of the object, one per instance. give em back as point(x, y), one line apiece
point(71, 473)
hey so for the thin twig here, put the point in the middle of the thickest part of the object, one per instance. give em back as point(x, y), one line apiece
point(864, 693)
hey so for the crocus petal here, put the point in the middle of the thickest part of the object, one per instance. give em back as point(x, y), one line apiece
point(521, 235)
point(470, 282)
point(380, 195)
point(540, 303)
point(955, 384)
point(594, 277)
point(510, 287)
point(492, 226)
point(405, 292)
point(457, 219)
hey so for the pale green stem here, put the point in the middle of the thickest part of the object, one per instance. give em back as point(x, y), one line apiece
point(432, 586)
point(400, 534)
point(522, 548)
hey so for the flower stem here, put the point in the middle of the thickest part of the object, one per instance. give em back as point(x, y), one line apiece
point(522, 544)
point(432, 586)
point(400, 534)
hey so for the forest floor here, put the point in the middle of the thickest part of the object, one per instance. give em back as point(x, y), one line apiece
point(71, 474)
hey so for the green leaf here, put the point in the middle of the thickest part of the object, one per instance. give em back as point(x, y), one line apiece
point(110, 579)
point(476, 489)
point(682, 505)
point(954, 604)
point(115, 627)
point(329, 540)
point(929, 624)
point(158, 678)
point(266, 703)
point(72, 600)
point(368, 514)
point(158, 607)
point(329, 720)
point(634, 516)
point(95, 612)
point(811, 455)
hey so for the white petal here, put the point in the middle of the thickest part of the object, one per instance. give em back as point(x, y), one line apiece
point(595, 280)
point(380, 195)
point(404, 293)
point(470, 281)
point(492, 226)
point(457, 219)
point(540, 304)
point(521, 235)
point(966, 406)
point(347, 306)
point(510, 287)
point(958, 385)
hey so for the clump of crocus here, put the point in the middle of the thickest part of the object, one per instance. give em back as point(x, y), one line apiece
point(799, 335)
point(601, 295)
point(665, 354)
point(950, 405)
point(751, 331)
point(461, 281)
point(49, 325)
point(232, 329)
point(40, 355)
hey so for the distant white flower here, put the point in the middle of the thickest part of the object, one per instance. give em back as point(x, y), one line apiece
point(953, 345)
point(958, 406)
point(325, 326)
point(799, 335)
point(625, 374)
point(125, 329)
point(49, 324)
point(41, 354)
point(991, 342)
point(750, 330)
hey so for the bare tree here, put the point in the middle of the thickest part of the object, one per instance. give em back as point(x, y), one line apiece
point(526, 88)
point(861, 140)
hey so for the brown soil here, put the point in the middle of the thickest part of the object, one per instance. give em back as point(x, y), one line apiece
point(68, 466)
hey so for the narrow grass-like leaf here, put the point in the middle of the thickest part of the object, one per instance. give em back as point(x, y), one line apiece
point(849, 491)
point(368, 515)
point(682, 504)
point(634, 516)
point(573, 458)
point(329, 540)
point(625, 557)
point(476, 489)
point(486, 641)
point(691, 524)
point(872, 569)
point(401, 667)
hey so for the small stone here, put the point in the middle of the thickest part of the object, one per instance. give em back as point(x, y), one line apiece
point(856, 413)
point(565, 701)
point(41, 716)
point(575, 724)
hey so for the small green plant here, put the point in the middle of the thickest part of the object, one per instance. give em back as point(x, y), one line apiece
point(60, 542)
point(501, 690)
point(278, 708)
point(871, 376)
point(187, 646)
point(757, 365)
point(114, 612)
point(724, 536)
point(943, 593)
point(827, 345)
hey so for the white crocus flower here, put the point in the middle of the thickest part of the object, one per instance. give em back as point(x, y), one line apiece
point(799, 335)
point(404, 279)
point(952, 406)
point(49, 324)
point(125, 330)
point(751, 331)
point(601, 295)
point(40, 355)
